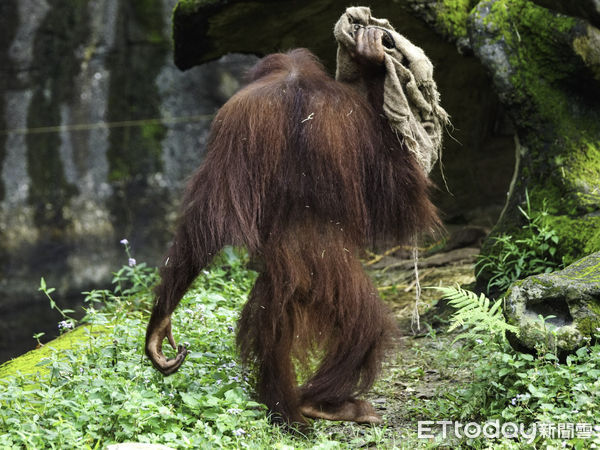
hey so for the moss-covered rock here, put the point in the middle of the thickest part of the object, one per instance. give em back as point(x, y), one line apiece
point(448, 18)
point(29, 363)
point(452, 16)
point(544, 67)
point(586, 9)
point(571, 295)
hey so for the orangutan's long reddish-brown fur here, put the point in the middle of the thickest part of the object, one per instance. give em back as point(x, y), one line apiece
point(303, 171)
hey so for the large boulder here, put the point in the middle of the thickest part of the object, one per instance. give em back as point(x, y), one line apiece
point(571, 295)
point(546, 69)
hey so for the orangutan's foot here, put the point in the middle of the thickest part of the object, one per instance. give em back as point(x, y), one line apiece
point(354, 410)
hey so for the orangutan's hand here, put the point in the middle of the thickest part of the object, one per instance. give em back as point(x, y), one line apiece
point(369, 46)
point(157, 331)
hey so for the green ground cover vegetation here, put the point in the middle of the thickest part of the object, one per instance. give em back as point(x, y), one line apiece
point(98, 388)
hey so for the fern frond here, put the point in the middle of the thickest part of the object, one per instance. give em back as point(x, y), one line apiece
point(475, 312)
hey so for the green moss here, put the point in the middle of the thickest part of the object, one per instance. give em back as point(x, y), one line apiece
point(578, 236)
point(536, 280)
point(558, 125)
point(546, 74)
point(452, 16)
point(589, 49)
point(588, 326)
point(595, 306)
point(29, 363)
point(540, 53)
point(583, 171)
point(539, 42)
point(507, 14)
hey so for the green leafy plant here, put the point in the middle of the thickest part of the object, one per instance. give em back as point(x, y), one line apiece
point(37, 337)
point(476, 313)
point(534, 252)
point(510, 386)
point(134, 278)
point(100, 389)
point(68, 322)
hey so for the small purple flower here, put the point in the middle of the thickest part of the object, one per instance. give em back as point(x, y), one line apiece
point(64, 325)
point(132, 262)
point(124, 241)
point(238, 432)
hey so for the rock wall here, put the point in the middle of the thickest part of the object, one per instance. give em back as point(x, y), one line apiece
point(545, 67)
point(544, 60)
point(70, 186)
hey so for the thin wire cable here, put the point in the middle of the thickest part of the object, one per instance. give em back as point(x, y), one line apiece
point(415, 321)
point(102, 125)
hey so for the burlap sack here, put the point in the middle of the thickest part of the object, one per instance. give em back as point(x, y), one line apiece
point(411, 100)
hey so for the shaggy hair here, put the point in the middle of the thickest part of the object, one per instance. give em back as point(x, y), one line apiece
point(304, 171)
